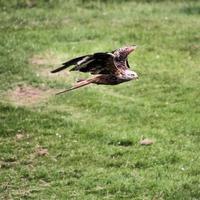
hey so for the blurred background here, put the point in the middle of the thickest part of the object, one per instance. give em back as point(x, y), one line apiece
point(138, 140)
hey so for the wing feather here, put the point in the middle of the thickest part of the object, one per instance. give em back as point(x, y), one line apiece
point(98, 63)
point(73, 61)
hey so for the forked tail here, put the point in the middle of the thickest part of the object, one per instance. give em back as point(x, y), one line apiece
point(78, 85)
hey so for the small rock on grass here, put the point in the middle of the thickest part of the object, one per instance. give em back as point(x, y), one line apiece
point(40, 151)
point(146, 141)
point(19, 136)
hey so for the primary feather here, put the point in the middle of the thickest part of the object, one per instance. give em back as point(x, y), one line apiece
point(69, 63)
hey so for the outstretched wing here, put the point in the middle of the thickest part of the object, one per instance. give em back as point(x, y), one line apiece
point(98, 63)
point(73, 61)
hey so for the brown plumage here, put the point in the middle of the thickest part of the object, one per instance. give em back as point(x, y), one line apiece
point(108, 68)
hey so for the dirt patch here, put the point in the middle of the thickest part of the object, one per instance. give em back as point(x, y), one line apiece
point(28, 95)
point(44, 63)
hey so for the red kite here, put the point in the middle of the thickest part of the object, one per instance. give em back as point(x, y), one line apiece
point(108, 68)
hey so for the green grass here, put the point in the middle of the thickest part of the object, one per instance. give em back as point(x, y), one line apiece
point(92, 134)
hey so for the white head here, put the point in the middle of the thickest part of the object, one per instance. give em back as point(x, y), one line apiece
point(131, 75)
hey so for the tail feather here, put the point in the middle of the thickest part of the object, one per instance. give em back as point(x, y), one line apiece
point(78, 85)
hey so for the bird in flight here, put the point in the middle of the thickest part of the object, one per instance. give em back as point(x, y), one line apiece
point(108, 68)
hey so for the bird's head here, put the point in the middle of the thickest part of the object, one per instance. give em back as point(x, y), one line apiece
point(124, 51)
point(131, 75)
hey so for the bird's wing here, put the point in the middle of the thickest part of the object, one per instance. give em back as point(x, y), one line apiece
point(98, 63)
point(73, 61)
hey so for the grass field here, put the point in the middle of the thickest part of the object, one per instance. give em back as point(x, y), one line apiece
point(86, 144)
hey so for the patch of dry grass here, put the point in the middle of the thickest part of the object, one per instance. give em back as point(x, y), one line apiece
point(26, 95)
